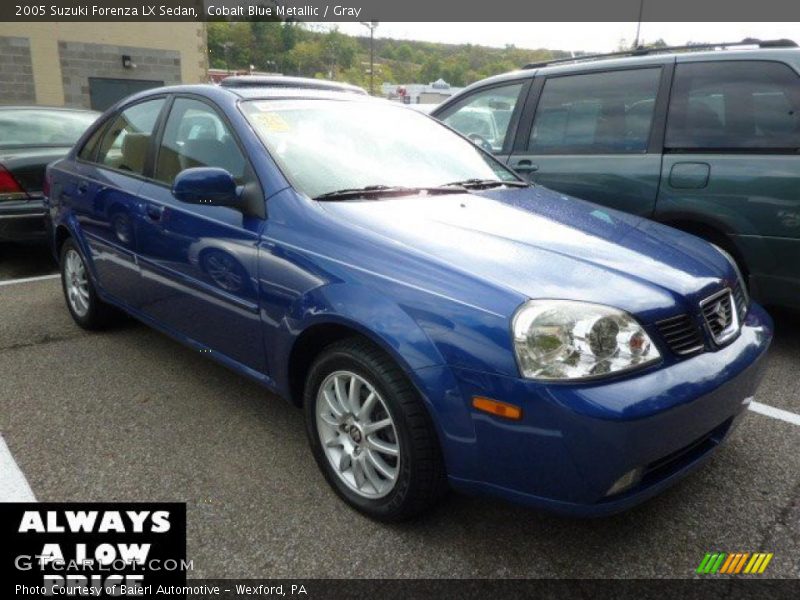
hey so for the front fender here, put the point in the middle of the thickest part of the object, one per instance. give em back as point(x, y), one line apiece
point(364, 310)
point(389, 326)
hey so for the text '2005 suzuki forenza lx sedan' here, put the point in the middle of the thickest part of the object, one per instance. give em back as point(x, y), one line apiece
point(442, 323)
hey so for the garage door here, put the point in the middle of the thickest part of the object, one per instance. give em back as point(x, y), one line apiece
point(105, 92)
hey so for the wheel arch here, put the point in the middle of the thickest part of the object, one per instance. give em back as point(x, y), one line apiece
point(710, 230)
point(62, 234)
point(317, 336)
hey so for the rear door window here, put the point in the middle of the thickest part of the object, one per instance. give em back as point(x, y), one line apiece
point(596, 113)
point(127, 140)
point(734, 105)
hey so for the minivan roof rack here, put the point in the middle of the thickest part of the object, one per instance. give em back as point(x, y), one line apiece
point(644, 51)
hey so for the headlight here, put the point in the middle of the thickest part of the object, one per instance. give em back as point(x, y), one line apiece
point(738, 272)
point(563, 339)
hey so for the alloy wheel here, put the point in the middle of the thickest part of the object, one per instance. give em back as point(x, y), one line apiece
point(358, 434)
point(77, 283)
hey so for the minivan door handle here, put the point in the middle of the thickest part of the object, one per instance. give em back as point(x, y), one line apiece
point(525, 165)
point(82, 188)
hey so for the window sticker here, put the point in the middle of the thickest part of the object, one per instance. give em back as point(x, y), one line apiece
point(271, 121)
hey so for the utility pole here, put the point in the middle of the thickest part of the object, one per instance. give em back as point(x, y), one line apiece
point(226, 46)
point(639, 24)
point(371, 25)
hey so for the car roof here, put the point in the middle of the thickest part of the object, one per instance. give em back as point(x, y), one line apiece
point(219, 93)
point(784, 54)
point(787, 54)
point(254, 93)
point(283, 81)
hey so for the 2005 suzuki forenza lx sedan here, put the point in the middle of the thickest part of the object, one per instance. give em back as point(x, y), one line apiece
point(441, 322)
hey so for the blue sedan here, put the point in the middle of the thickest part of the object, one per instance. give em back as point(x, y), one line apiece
point(442, 323)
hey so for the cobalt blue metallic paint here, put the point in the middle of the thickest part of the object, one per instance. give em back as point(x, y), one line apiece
point(435, 282)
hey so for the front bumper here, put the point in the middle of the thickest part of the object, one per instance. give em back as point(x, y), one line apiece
point(22, 220)
point(576, 440)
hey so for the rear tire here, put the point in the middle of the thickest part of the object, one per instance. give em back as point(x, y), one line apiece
point(86, 308)
point(383, 460)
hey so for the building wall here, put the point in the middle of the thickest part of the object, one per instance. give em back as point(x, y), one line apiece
point(16, 71)
point(62, 56)
point(81, 60)
point(432, 97)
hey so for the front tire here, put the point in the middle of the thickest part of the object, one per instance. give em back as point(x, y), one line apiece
point(371, 434)
point(87, 310)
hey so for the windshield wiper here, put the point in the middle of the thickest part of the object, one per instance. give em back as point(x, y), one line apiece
point(374, 191)
point(482, 184)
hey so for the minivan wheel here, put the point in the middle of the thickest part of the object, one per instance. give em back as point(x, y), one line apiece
point(370, 433)
point(86, 308)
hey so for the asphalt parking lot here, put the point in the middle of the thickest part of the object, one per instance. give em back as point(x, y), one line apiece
point(131, 415)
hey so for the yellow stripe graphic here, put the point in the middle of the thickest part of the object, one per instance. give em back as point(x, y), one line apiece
point(765, 563)
point(758, 563)
point(752, 563)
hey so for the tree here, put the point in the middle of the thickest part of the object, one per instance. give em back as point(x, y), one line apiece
point(239, 40)
point(300, 49)
point(431, 70)
point(404, 53)
point(267, 44)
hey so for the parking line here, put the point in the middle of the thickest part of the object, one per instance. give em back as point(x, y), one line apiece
point(775, 413)
point(29, 279)
point(13, 485)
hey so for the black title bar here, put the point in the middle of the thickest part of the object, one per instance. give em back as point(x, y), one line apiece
point(401, 10)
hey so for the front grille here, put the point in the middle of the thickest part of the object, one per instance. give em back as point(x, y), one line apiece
point(680, 334)
point(740, 298)
point(719, 315)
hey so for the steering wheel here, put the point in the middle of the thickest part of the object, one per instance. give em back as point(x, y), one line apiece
point(479, 140)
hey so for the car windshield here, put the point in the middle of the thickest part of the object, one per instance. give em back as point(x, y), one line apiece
point(36, 127)
point(324, 146)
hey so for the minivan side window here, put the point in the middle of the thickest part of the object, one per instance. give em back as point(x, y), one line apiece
point(734, 105)
point(196, 136)
point(484, 116)
point(126, 142)
point(596, 113)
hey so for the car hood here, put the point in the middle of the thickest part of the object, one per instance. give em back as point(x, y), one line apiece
point(543, 244)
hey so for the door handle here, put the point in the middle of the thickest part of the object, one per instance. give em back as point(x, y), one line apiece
point(82, 188)
point(526, 165)
point(154, 211)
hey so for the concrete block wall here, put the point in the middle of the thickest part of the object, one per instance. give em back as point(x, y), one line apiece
point(16, 71)
point(35, 75)
point(82, 60)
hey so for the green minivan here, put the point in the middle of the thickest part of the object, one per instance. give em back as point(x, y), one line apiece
point(705, 139)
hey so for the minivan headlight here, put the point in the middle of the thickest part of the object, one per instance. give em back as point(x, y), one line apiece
point(565, 339)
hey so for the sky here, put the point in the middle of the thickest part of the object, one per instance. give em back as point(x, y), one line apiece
point(588, 37)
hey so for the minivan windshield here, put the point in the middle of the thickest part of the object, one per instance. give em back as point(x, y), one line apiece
point(326, 146)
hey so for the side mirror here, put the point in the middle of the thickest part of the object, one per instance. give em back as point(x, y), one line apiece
point(206, 185)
